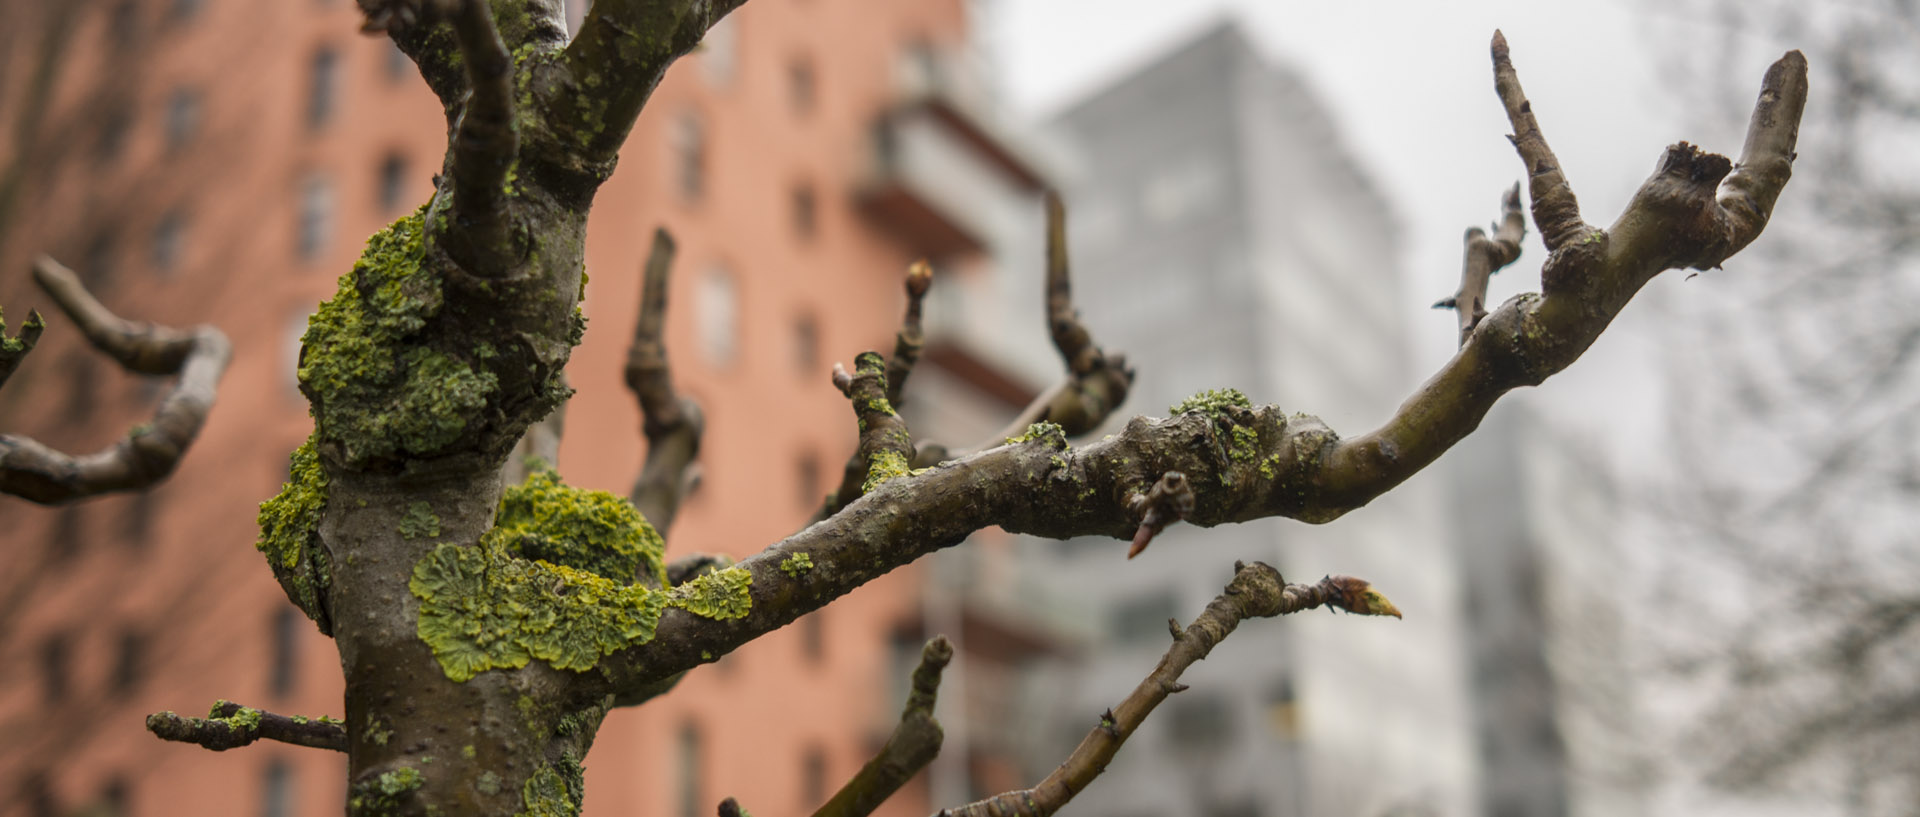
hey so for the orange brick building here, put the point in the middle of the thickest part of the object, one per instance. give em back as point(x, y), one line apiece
point(220, 161)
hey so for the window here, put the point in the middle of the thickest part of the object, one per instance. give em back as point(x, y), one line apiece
point(399, 65)
point(183, 117)
point(129, 662)
point(393, 182)
point(1143, 619)
point(66, 532)
point(276, 789)
point(37, 792)
point(286, 651)
point(137, 525)
point(117, 795)
point(800, 86)
point(322, 86)
point(813, 636)
point(720, 52)
point(1196, 723)
point(692, 802)
point(1283, 709)
point(688, 144)
point(717, 307)
point(805, 214)
point(97, 266)
point(813, 778)
point(316, 217)
point(83, 387)
point(806, 346)
point(56, 659)
point(184, 10)
point(125, 23)
point(169, 241)
point(114, 125)
point(806, 471)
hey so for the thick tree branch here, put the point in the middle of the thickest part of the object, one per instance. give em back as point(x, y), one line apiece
point(908, 342)
point(482, 234)
point(1256, 591)
point(150, 451)
point(419, 29)
point(1484, 257)
point(673, 424)
point(913, 744)
point(1097, 382)
point(614, 63)
point(231, 726)
point(15, 349)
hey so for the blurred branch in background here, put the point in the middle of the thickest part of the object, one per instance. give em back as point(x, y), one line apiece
point(1797, 414)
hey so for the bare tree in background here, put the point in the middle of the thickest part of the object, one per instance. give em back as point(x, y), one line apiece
point(486, 629)
point(1798, 418)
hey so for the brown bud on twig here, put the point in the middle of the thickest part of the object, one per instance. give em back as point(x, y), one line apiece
point(1170, 500)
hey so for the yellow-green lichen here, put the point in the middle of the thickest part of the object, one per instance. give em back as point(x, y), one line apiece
point(795, 565)
point(383, 794)
point(565, 576)
point(376, 391)
point(548, 793)
point(1050, 433)
point(290, 529)
point(420, 522)
point(884, 465)
point(1212, 402)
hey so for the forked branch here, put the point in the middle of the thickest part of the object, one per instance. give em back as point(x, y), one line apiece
point(614, 63)
point(15, 349)
point(915, 742)
point(33, 471)
point(1256, 591)
point(672, 423)
point(1485, 256)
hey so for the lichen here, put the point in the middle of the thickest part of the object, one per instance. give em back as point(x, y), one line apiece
point(290, 531)
point(1212, 402)
point(547, 794)
point(796, 565)
point(884, 465)
point(1050, 433)
point(420, 522)
point(565, 576)
point(376, 390)
point(382, 795)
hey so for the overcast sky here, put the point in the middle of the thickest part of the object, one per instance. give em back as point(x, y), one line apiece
point(1410, 83)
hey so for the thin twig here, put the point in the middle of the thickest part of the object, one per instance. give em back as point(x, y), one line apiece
point(908, 342)
point(1257, 591)
point(915, 742)
point(886, 447)
point(33, 471)
point(15, 349)
point(231, 726)
point(1168, 501)
point(1485, 256)
point(1555, 210)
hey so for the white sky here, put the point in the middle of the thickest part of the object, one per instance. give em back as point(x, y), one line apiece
point(1410, 83)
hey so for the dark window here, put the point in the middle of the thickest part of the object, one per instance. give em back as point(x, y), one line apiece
point(399, 65)
point(813, 778)
point(125, 24)
point(97, 266)
point(169, 240)
point(286, 651)
point(1283, 709)
point(800, 85)
point(83, 389)
point(806, 471)
point(813, 636)
point(184, 10)
point(692, 802)
point(806, 219)
point(316, 217)
point(117, 796)
point(137, 524)
point(183, 117)
point(37, 791)
point(322, 86)
point(393, 182)
point(1143, 619)
point(688, 143)
point(67, 531)
point(115, 123)
point(276, 790)
point(806, 345)
point(56, 667)
point(130, 662)
point(1200, 722)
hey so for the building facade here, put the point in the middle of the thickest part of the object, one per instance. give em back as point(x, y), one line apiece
point(220, 161)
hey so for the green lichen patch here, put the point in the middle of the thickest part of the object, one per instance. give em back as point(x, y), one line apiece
point(884, 465)
point(593, 531)
point(547, 794)
point(289, 533)
point(796, 565)
point(383, 794)
point(1050, 433)
point(420, 522)
point(1213, 402)
point(245, 719)
point(376, 391)
point(720, 595)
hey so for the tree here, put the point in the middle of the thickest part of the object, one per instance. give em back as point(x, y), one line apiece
point(491, 624)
